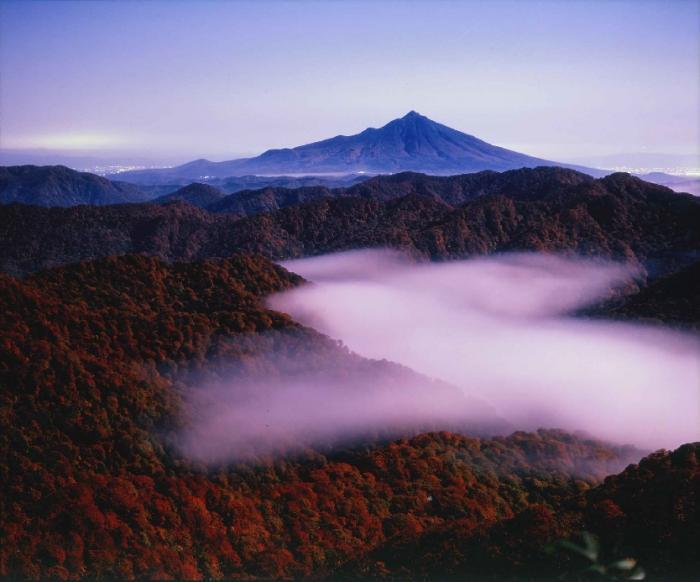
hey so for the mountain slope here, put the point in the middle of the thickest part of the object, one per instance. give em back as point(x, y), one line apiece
point(411, 143)
point(61, 186)
point(95, 360)
point(196, 194)
point(650, 512)
point(249, 202)
point(671, 300)
point(619, 217)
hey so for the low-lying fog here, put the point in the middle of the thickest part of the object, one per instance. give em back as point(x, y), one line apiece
point(493, 331)
point(498, 328)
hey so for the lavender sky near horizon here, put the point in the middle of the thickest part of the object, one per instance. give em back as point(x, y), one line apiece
point(181, 80)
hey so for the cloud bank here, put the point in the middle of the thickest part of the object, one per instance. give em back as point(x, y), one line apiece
point(318, 396)
point(498, 329)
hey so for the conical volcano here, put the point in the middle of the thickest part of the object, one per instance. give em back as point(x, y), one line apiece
point(411, 143)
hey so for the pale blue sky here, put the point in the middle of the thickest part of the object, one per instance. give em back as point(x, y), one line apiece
point(551, 78)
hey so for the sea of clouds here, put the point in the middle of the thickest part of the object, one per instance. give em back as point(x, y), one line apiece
point(499, 328)
point(498, 335)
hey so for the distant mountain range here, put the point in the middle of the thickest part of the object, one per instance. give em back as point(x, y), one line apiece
point(61, 186)
point(411, 143)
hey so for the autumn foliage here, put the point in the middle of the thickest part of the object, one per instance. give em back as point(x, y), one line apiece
point(94, 358)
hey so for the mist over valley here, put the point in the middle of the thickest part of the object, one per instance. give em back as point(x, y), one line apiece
point(393, 291)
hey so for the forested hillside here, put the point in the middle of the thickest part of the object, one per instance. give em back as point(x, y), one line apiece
point(94, 363)
point(648, 513)
point(546, 209)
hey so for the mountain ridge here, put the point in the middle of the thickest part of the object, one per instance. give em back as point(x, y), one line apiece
point(61, 186)
point(452, 190)
point(619, 217)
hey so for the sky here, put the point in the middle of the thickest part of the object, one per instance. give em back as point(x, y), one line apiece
point(183, 80)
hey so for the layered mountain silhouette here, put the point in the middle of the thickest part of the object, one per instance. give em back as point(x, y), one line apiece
point(545, 209)
point(411, 143)
point(407, 146)
point(61, 186)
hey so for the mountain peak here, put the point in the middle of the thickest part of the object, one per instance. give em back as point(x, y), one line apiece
point(413, 118)
point(409, 143)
